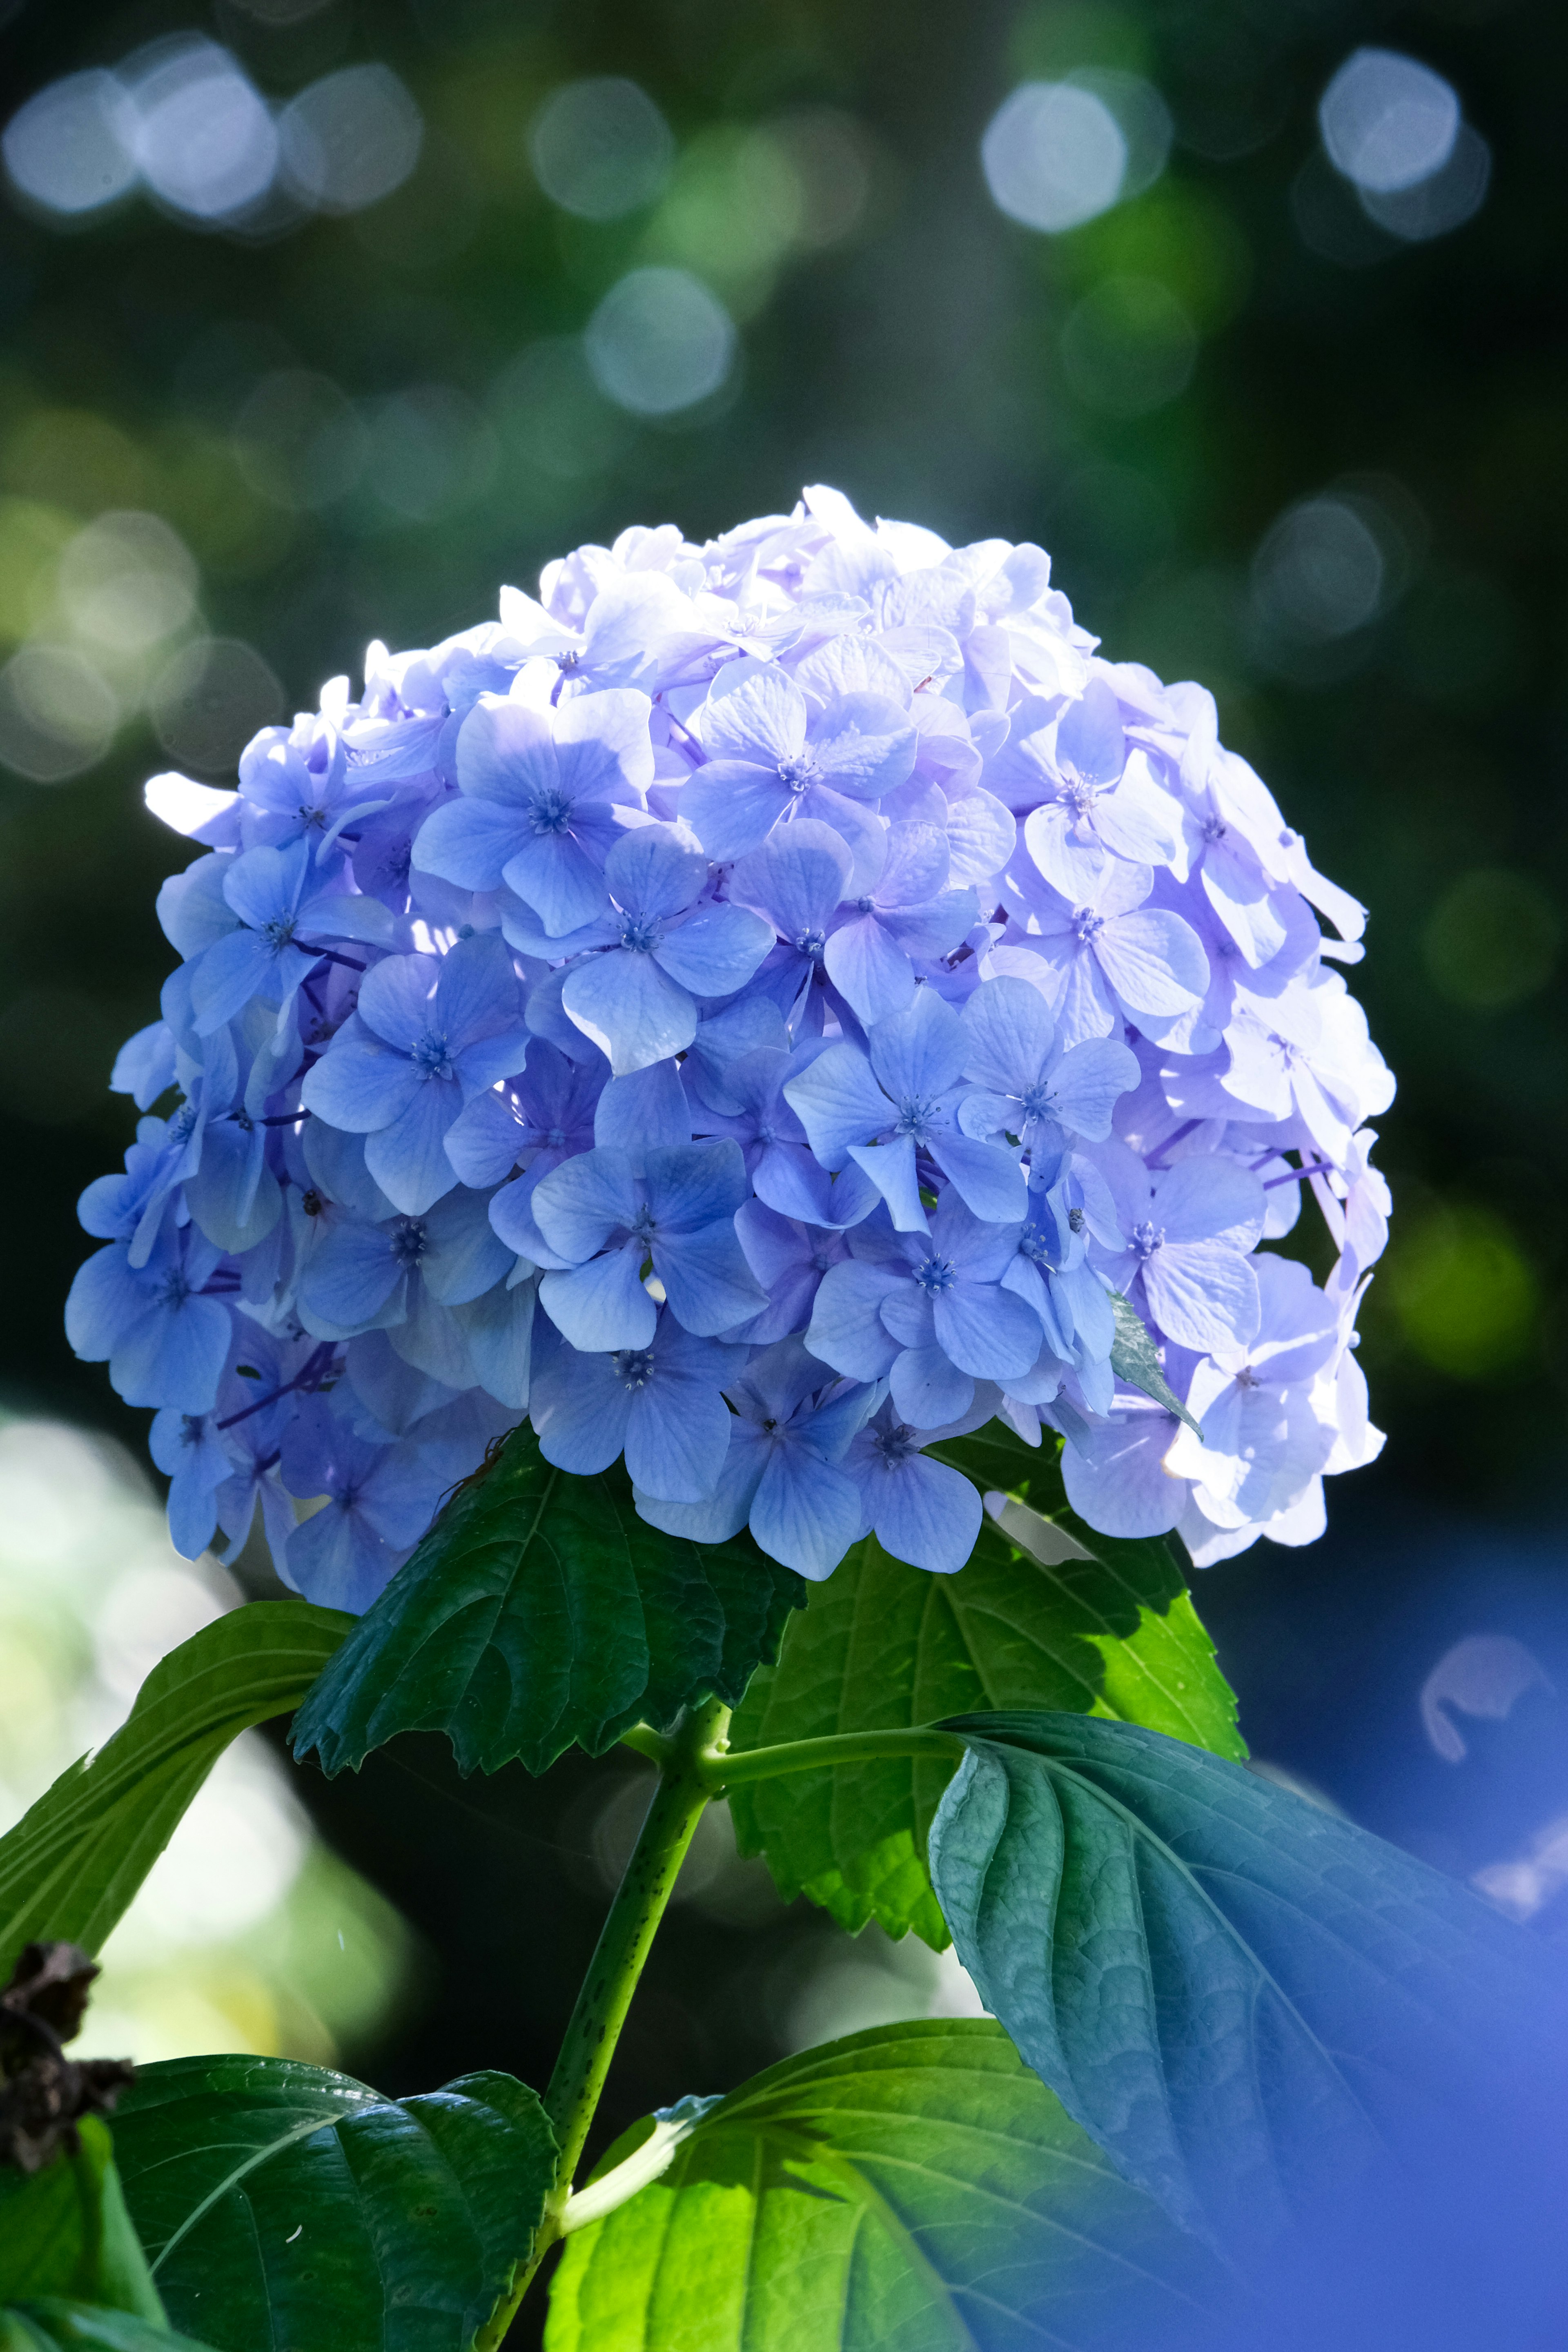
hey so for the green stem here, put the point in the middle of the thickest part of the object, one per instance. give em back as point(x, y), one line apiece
point(732, 1771)
point(683, 1791)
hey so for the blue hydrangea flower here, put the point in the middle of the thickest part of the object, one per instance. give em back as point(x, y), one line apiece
point(430, 1034)
point(659, 949)
point(918, 1509)
point(792, 1426)
point(660, 1405)
point(605, 1224)
point(543, 796)
point(812, 972)
point(896, 1105)
point(771, 755)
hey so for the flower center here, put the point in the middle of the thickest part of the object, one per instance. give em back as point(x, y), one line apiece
point(183, 1123)
point(1037, 1100)
point(1147, 1238)
point(810, 943)
point(639, 933)
point(1078, 796)
point(895, 1446)
point(935, 1276)
point(916, 1113)
point(865, 906)
point(279, 932)
point(796, 776)
point(1214, 828)
point(1087, 925)
point(1032, 1245)
point(1076, 1219)
point(557, 1138)
point(550, 810)
point(634, 1366)
point(174, 1291)
point(409, 1240)
point(644, 1226)
point(431, 1057)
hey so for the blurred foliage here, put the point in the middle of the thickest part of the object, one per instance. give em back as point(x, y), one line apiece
point(248, 1934)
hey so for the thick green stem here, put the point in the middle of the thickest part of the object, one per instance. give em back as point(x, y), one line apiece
point(682, 1791)
point(732, 1771)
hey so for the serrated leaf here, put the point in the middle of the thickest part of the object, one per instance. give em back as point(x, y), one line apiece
point(1134, 1359)
point(72, 1864)
point(1248, 2001)
point(64, 2231)
point(1108, 1629)
point(541, 1611)
point(51, 2325)
point(914, 2186)
point(282, 2204)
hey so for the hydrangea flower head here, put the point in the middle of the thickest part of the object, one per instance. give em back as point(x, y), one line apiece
point(753, 1009)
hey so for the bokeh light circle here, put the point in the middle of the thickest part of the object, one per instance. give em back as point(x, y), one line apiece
point(1388, 122)
point(659, 341)
point(1054, 155)
point(600, 148)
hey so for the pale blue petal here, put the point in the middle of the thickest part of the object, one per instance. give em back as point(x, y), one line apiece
point(691, 1185)
point(891, 1168)
point(920, 1052)
point(653, 872)
point(928, 1389)
point(716, 950)
point(468, 842)
point(580, 1205)
point(732, 808)
point(348, 1279)
point(985, 1176)
point(845, 1328)
point(706, 1280)
point(360, 1084)
point(986, 1330)
point(677, 1433)
point(602, 1304)
point(925, 1513)
point(1090, 1081)
point(796, 879)
point(173, 1357)
point(642, 1112)
point(870, 969)
point(727, 1509)
point(1008, 1035)
point(408, 1159)
point(839, 1103)
point(807, 1514)
point(559, 880)
point(631, 1009)
point(580, 1407)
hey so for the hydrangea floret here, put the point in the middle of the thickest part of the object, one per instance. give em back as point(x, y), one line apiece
point(754, 1010)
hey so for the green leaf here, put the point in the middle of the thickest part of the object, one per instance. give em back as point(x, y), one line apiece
point(541, 1611)
point(914, 2186)
point(64, 2230)
point(53, 2325)
point(280, 2204)
point(1135, 1360)
point(1244, 1999)
point(71, 1865)
point(1106, 1627)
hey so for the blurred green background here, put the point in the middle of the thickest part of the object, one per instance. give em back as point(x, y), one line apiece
point(326, 317)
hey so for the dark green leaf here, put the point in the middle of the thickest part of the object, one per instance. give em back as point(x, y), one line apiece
point(57, 2327)
point(71, 1865)
point(914, 2186)
point(1134, 1359)
point(541, 1611)
point(64, 2230)
point(1107, 1627)
point(280, 2204)
point(1244, 1999)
